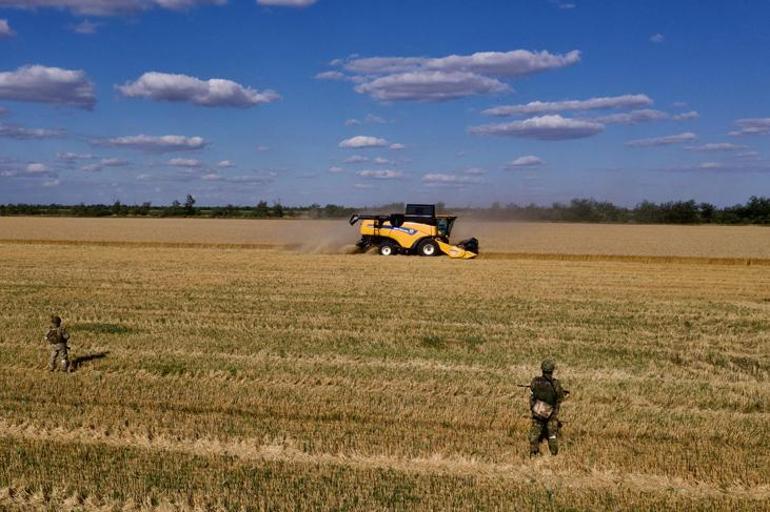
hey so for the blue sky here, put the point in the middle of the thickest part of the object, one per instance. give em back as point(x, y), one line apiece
point(371, 101)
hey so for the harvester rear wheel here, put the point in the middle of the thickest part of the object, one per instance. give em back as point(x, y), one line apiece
point(388, 249)
point(427, 247)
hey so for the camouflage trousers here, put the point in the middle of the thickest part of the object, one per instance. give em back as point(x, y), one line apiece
point(544, 430)
point(59, 351)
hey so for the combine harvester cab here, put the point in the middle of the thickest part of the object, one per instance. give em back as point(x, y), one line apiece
point(418, 231)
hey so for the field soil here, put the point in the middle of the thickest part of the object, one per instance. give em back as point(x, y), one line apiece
point(217, 369)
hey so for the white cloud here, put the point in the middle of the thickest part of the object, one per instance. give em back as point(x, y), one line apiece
point(184, 162)
point(396, 146)
point(430, 86)
point(526, 161)
point(450, 180)
point(475, 171)
point(352, 122)
point(444, 78)
point(544, 107)
point(657, 38)
point(72, 157)
point(355, 159)
point(12, 131)
point(331, 75)
point(108, 7)
point(215, 92)
point(104, 162)
point(51, 183)
point(686, 116)
point(369, 119)
point(287, 3)
point(384, 174)
point(36, 168)
point(47, 85)
point(153, 143)
point(633, 117)
point(382, 161)
point(752, 126)
point(511, 63)
point(710, 165)
point(363, 186)
point(335, 169)
point(261, 149)
point(717, 146)
point(553, 127)
point(223, 164)
point(363, 141)
point(5, 29)
point(662, 141)
point(86, 27)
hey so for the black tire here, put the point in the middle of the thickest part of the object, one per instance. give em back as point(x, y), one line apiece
point(388, 249)
point(427, 247)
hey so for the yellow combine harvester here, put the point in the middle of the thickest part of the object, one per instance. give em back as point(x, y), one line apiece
point(418, 231)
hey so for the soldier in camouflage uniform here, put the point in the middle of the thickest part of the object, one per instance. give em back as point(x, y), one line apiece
point(546, 395)
point(57, 337)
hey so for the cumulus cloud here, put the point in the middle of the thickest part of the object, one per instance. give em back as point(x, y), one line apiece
point(335, 169)
point(36, 168)
point(717, 146)
point(752, 126)
point(261, 148)
point(109, 7)
point(363, 141)
point(444, 78)
point(396, 146)
point(369, 119)
point(553, 127)
point(545, 107)
point(287, 3)
point(430, 86)
point(526, 161)
point(74, 157)
point(42, 84)
point(215, 92)
point(686, 116)
point(86, 27)
point(154, 143)
point(657, 38)
point(450, 180)
point(633, 117)
point(331, 75)
point(381, 174)
point(104, 162)
point(355, 159)
point(662, 141)
point(223, 164)
point(12, 131)
point(184, 162)
point(382, 161)
point(5, 29)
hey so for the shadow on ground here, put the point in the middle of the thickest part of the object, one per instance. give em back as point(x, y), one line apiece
point(77, 362)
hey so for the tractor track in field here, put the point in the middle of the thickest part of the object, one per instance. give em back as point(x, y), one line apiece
point(492, 255)
point(539, 472)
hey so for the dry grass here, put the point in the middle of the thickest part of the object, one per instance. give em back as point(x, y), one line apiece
point(333, 235)
point(237, 379)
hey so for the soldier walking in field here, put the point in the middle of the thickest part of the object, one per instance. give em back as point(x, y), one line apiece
point(546, 395)
point(57, 337)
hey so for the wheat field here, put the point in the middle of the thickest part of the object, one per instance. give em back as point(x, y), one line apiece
point(224, 369)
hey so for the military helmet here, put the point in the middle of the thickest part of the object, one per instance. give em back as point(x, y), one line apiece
point(56, 320)
point(548, 366)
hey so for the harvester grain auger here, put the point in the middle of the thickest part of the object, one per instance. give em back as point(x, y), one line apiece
point(418, 231)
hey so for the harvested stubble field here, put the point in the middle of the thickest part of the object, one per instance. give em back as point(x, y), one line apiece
point(231, 378)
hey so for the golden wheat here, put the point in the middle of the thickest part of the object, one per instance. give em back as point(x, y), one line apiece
point(224, 378)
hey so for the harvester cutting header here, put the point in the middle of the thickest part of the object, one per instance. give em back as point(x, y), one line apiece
point(418, 231)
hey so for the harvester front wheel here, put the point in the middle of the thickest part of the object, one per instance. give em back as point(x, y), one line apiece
point(388, 249)
point(427, 247)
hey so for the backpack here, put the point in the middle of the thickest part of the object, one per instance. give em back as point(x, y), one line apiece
point(544, 393)
point(54, 337)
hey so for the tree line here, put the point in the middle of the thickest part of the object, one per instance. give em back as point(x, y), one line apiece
point(755, 211)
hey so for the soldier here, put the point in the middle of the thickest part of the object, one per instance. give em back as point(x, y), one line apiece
point(58, 337)
point(546, 395)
